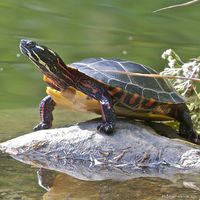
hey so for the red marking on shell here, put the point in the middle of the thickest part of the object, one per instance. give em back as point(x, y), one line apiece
point(115, 91)
point(150, 102)
point(133, 99)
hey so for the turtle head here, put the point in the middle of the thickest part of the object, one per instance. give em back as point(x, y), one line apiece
point(44, 58)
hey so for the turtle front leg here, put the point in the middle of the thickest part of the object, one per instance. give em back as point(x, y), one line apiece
point(108, 115)
point(97, 91)
point(46, 108)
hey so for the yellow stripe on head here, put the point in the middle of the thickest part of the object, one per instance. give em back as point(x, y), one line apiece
point(39, 47)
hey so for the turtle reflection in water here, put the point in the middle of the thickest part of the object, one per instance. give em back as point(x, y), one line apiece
point(109, 82)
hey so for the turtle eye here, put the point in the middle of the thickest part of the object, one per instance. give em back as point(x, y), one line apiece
point(31, 44)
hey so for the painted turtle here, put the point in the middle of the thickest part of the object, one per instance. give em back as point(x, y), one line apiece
point(109, 82)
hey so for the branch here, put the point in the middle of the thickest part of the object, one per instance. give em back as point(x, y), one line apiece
point(177, 5)
point(155, 75)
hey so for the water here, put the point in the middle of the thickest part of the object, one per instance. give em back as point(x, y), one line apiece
point(76, 30)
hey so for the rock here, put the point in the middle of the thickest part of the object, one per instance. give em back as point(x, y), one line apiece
point(134, 150)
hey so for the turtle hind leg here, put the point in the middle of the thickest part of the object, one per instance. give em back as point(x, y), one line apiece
point(186, 126)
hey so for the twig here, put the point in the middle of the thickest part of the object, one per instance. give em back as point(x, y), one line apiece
point(155, 75)
point(177, 5)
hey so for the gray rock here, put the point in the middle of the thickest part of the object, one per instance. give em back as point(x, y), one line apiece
point(134, 150)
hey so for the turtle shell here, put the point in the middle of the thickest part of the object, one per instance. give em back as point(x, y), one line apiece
point(116, 73)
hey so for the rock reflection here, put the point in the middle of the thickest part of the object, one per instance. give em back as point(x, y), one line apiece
point(67, 187)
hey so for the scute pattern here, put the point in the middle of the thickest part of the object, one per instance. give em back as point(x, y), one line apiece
point(134, 88)
point(117, 73)
point(117, 83)
point(147, 93)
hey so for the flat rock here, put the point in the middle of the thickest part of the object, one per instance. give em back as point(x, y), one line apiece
point(134, 150)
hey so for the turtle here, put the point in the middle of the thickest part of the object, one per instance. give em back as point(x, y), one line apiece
point(106, 86)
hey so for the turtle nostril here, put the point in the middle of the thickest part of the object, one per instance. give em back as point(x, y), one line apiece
point(23, 42)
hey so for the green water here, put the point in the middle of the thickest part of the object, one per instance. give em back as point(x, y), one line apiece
point(78, 29)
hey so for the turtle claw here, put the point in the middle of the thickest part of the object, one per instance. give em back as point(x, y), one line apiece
point(107, 128)
point(194, 137)
point(197, 140)
point(190, 135)
point(42, 126)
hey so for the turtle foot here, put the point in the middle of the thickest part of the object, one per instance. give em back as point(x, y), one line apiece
point(107, 128)
point(194, 137)
point(190, 135)
point(42, 126)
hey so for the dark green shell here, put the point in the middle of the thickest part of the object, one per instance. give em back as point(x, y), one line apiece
point(115, 73)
